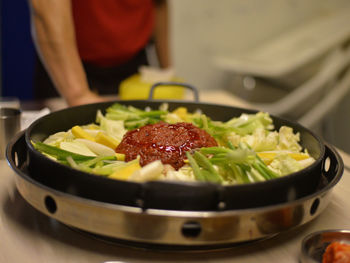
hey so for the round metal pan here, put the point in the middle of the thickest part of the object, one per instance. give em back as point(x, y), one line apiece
point(163, 228)
point(166, 195)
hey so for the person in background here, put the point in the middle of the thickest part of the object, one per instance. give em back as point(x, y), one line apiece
point(88, 47)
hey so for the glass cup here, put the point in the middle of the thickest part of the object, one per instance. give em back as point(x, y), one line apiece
point(9, 102)
point(10, 124)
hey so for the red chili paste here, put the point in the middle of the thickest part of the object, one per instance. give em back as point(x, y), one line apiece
point(165, 142)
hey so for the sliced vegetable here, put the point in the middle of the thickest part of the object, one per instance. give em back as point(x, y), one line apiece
point(106, 140)
point(249, 150)
point(78, 132)
point(248, 123)
point(149, 172)
point(208, 170)
point(288, 140)
point(58, 153)
point(269, 156)
point(97, 148)
point(120, 156)
point(77, 147)
point(123, 173)
point(113, 128)
point(241, 165)
point(196, 169)
point(134, 118)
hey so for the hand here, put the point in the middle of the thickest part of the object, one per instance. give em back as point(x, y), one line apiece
point(86, 98)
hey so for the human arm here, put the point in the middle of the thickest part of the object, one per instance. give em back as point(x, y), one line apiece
point(54, 38)
point(161, 33)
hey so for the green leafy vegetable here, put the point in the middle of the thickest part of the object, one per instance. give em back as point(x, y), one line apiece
point(81, 162)
point(134, 118)
point(241, 165)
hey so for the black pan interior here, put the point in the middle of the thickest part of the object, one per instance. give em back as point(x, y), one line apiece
point(165, 195)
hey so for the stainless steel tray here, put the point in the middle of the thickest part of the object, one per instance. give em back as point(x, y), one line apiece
point(168, 227)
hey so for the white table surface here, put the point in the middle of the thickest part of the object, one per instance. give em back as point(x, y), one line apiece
point(28, 236)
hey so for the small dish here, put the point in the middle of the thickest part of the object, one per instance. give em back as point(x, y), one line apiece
point(314, 245)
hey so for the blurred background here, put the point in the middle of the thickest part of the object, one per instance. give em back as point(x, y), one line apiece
point(288, 57)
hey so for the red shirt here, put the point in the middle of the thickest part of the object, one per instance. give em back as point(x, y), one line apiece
point(110, 32)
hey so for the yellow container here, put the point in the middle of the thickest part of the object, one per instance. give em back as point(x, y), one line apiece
point(133, 88)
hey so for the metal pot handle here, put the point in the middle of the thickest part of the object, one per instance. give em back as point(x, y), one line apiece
point(171, 83)
point(332, 163)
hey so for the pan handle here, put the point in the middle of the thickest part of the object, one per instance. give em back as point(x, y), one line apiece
point(172, 83)
point(332, 163)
